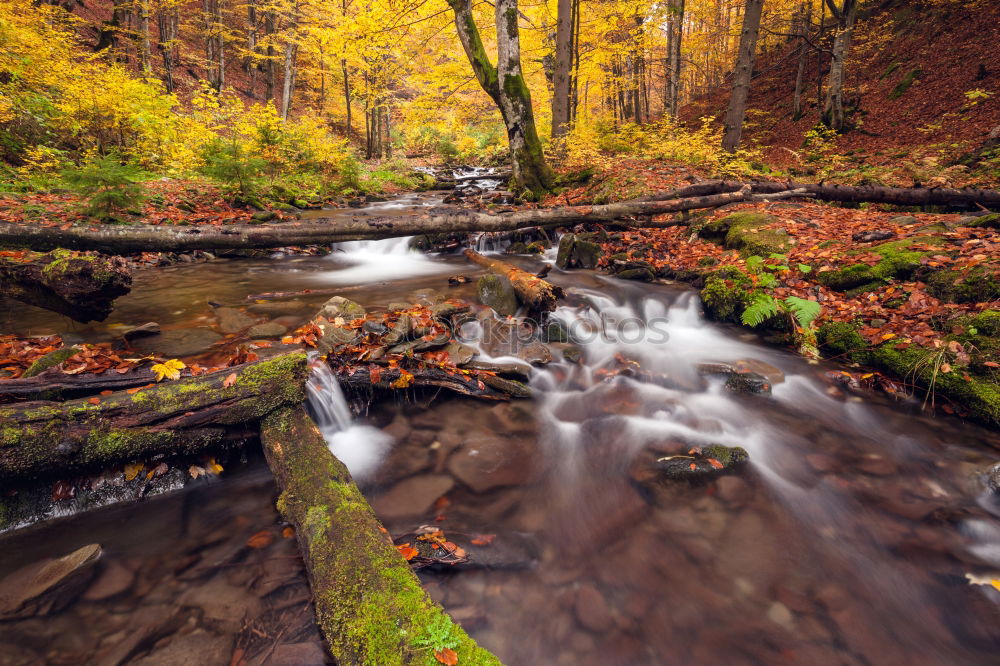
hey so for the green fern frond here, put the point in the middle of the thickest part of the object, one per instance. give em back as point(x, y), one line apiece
point(805, 312)
point(763, 308)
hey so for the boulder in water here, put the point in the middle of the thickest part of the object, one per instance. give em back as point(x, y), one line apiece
point(497, 292)
point(338, 306)
point(47, 586)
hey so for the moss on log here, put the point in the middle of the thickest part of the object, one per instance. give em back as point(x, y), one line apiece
point(172, 417)
point(369, 604)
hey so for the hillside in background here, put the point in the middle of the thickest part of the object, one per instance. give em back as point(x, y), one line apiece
point(923, 82)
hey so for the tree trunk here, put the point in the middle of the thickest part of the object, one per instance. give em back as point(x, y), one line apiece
point(506, 86)
point(166, 20)
point(269, 18)
point(561, 76)
point(370, 606)
point(805, 16)
point(145, 61)
point(536, 293)
point(833, 107)
point(83, 288)
point(675, 57)
point(742, 75)
point(291, 53)
point(171, 417)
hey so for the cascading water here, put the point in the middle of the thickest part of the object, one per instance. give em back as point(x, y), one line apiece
point(361, 448)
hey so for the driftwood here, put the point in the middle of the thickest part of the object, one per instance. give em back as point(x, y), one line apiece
point(54, 384)
point(80, 287)
point(370, 606)
point(147, 238)
point(538, 294)
point(486, 388)
point(171, 417)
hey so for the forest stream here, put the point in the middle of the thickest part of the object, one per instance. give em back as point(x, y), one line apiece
point(858, 532)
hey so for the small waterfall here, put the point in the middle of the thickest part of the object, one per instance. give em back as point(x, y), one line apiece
point(362, 448)
point(380, 261)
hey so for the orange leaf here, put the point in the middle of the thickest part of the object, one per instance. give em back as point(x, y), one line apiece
point(260, 540)
point(133, 391)
point(94, 401)
point(407, 551)
point(229, 381)
point(715, 463)
point(374, 373)
point(693, 467)
point(483, 539)
point(288, 532)
point(447, 656)
point(109, 392)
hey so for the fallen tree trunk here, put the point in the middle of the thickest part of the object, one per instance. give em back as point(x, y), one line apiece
point(147, 238)
point(370, 606)
point(898, 196)
point(538, 294)
point(171, 417)
point(82, 287)
point(54, 384)
point(488, 387)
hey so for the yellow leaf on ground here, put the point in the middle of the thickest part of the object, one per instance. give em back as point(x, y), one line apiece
point(170, 369)
point(132, 470)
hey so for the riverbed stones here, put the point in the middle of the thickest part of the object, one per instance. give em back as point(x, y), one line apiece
point(497, 292)
point(114, 579)
point(773, 374)
point(535, 353)
point(149, 328)
point(591, 609)
point(223, 605)
point(199, 647)
point(491, 462)
point(345, 308)
point(279, 308)
point(49, 585)
point(413, 497)
point(267, 330)
point(233, 320)
point(178, 342)
point(297, 654)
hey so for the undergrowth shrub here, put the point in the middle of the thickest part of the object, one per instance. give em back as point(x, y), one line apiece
point(111, 187)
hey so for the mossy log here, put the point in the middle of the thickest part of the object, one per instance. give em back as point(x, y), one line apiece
point(82, 287)
point(54, 384)
point(172, 417)
point(369, 605)
point(538, 294)
point(159, 238)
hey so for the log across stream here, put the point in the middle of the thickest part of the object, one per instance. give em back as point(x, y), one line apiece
point(847, 538)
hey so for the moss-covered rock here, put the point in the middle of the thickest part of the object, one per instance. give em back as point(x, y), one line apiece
point(977, 285)
point(726, 294)
point(841, 338)
point(751, 234)
point(990, 221)
point(578, 251)
point(848, 277)
point(497, 292)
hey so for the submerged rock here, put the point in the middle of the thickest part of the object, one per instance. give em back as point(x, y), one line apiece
point(338, 306)
point(712, 460)
point(413, 497)
point(232, 320)
point(267, 330)
point(47, 586)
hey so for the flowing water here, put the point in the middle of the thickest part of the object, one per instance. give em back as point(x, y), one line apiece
point(849, 538)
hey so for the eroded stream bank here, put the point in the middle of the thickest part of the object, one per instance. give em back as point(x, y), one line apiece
point(846, 539)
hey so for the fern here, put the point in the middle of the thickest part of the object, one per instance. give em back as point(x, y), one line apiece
point(763, 308)
point(805, 312)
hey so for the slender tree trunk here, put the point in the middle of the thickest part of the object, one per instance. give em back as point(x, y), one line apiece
point(506, 86)
point(145, 56)
point(166, 21)
point(291, 53)
point(269, 20)
point(819, 54)
point(575, 81)
point(561, 76)
point(675, 58)
point(742, 76)
point(250, 62)
point(833, 107)
point(805, 14)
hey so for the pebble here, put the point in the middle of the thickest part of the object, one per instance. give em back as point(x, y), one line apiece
point(591, 609)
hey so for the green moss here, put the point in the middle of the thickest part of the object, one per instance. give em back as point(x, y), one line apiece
point(841, 337)
point(991, 221)
point(748, 233)
point(981, 397)
point(848, 277)
point(890, 69)
point(985, 323)
point(726, 294)
point(977, 285)
point(50, 360)
point(897, 261)
point(727, 455)
point(904, 84)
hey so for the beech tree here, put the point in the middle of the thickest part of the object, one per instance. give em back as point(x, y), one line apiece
point(506, 86)
point(833, 107)
point(742, 75)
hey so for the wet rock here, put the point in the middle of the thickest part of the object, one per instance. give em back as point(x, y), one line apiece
point(178, 343)
point(821, 462)
point(338, 306)
point(260, 217)
point(149, 328)
point(198, 647)
point(992, 478)
point(902, 220)
point(512, 369)
point(298, 654)
point(49, 585)
point(413, 497)
point(232, 320)
point(223, 606)
point(114, 579)
point(146, 625)
point(640, 274)
point(733, 490)
point(491, 462)
point(773, 374)
point(535, 353)
point(279, 308)
point(554, 331)
point(748, 382)
point(712, 460)
point(876, 465)
point(458, 353)
point(267, 330)
point(572, 355)
point(404, 461)
point(497, 292)
point(576, 251)
point(870, 236)
point(591, 609)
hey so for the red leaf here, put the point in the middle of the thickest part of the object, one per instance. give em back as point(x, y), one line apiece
point(229, 381)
